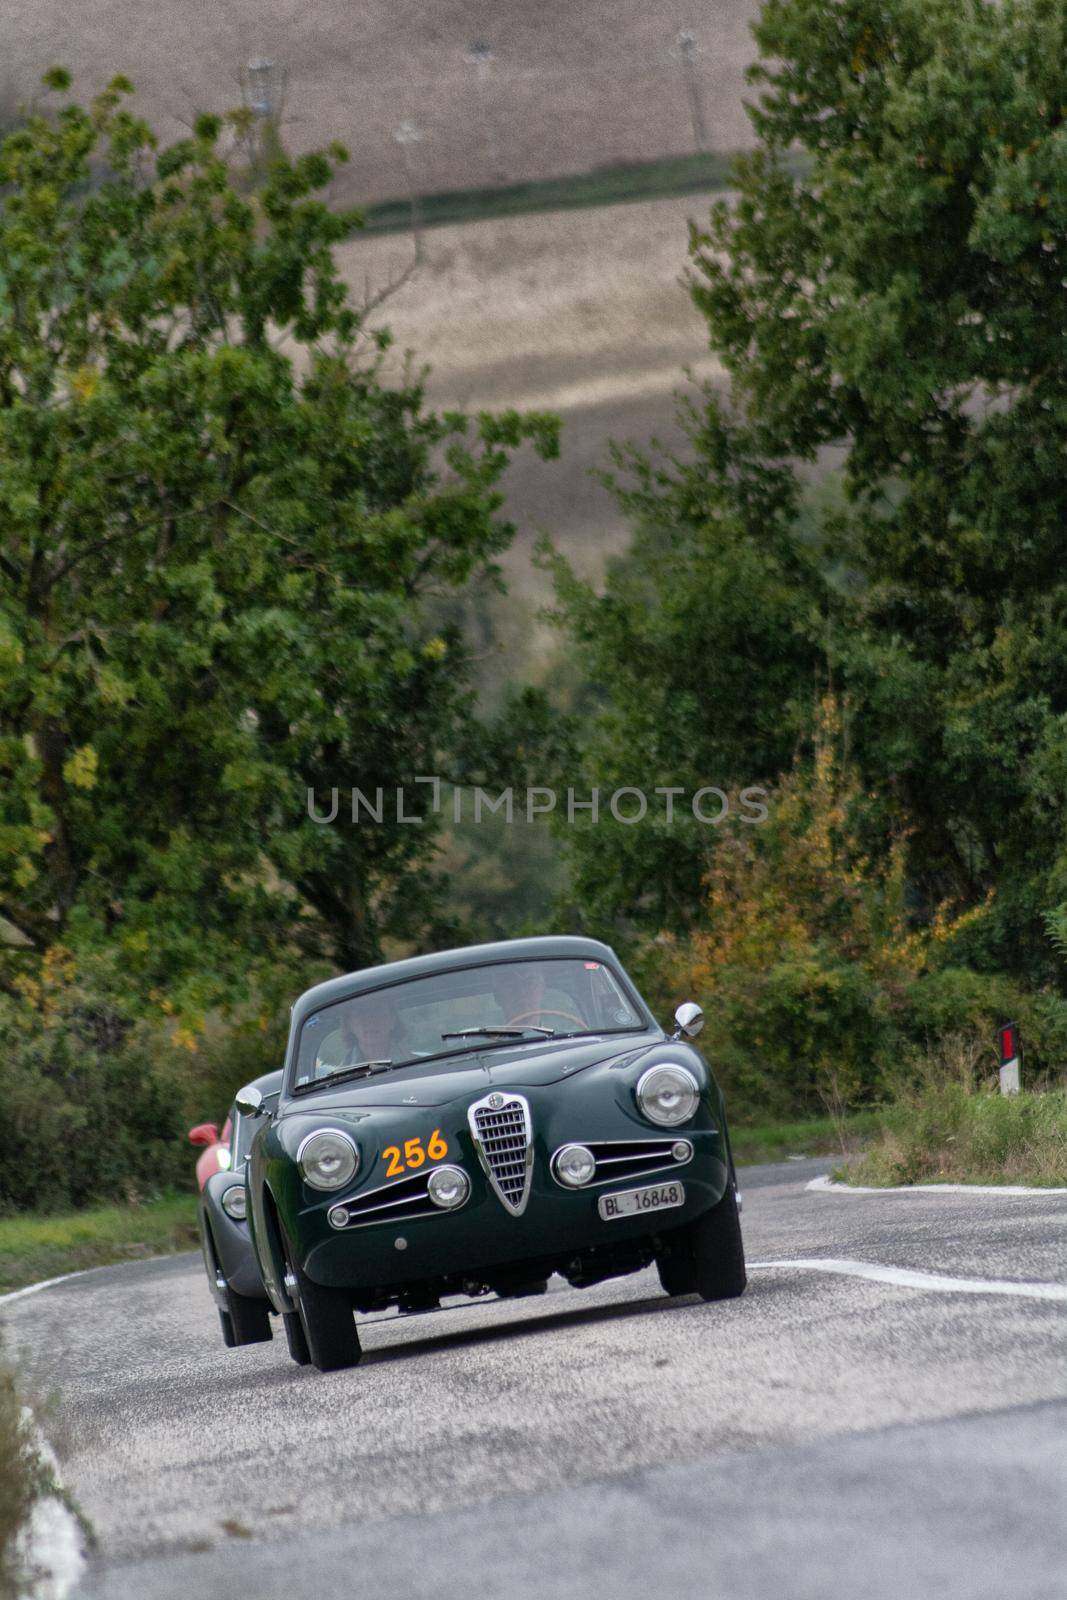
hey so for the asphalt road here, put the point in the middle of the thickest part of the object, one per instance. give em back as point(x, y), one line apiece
point(826, 1432)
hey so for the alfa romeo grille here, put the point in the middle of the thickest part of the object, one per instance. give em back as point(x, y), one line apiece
point(503, 1137)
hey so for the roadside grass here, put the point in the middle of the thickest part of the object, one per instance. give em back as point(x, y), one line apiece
point(947, 1122)
point(812, 1136)
point(36, 1247)
point(661, 179)
point(953, 1133)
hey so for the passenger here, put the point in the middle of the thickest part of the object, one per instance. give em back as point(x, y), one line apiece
point(370, 1030)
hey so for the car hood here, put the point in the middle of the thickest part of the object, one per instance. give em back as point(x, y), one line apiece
point(508, 1067)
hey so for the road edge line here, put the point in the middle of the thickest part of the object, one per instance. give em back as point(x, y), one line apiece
point(45, 1283)
point(824, 1184)
point(915, 1278)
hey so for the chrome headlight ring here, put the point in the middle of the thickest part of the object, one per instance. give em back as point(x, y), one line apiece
point(667, 1094)
point(328, 1159)
point(235, 1202)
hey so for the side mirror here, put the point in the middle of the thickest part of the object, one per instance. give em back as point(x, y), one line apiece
point(204, 1133)
point(248, 1101)
point(689, 1019)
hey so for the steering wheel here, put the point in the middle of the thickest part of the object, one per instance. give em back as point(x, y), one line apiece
point(523, 1016)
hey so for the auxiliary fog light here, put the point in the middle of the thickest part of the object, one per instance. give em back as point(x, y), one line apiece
point(575, 1165)
point(235, 1202)
point(338, 1217)
point(448, 1187)
point(682, 1150)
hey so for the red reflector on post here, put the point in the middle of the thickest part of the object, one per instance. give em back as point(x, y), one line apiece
point(1008, 1037)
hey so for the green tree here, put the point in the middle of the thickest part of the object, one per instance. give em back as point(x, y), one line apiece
point(703, 652)
point(889, 306)
point(223, 536)
point(902, 300)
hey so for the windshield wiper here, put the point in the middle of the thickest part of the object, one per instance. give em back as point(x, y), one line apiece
point(498, 1033)
point(358, 1069)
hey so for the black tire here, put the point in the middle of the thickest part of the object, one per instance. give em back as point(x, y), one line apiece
point(327, 1320)
point(228, 1337)
point(250, 1319)
point(676, 1274)
point(294, 1338)
point(707, 1256)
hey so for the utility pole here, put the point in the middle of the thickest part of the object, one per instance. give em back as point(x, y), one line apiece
point(688, 50)
point(406, 136)
point(265, 88)
point(479, 56)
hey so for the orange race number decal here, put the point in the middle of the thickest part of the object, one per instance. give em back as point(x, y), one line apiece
point(415, 1154)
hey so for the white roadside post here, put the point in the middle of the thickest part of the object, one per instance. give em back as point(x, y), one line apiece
point(1010, 1057)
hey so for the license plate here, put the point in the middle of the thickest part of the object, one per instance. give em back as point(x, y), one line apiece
point(635, 1202)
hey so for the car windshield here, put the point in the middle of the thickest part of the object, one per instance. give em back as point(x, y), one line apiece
point(494, 1004)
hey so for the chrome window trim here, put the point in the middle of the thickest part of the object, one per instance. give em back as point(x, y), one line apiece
point(485, 1103)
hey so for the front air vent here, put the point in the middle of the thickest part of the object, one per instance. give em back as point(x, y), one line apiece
point(503, 1137)
point(393, 1202)
point(618, 1160)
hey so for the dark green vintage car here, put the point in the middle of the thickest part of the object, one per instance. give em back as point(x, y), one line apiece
point(473, 1122)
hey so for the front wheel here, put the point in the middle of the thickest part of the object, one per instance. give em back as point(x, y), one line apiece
point(326, 1319)
point(249, 1319)
point(706, 1256)
point(242, 1319)
point(294, 1338)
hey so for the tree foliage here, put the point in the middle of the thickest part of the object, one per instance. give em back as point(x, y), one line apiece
point(892, 305)
point(903, 300)
point(223, 537)
point(702, 654)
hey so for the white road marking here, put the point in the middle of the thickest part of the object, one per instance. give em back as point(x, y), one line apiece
point(826, 1185)
point(45, 1283)
point(908, 1278)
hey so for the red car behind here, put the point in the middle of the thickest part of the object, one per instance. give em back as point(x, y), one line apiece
point(216, 1154)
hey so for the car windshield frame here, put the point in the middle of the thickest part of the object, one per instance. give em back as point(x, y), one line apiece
point(295, 1088)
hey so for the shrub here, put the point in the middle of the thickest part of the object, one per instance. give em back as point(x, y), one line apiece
point(804, 955)
point(87, 1104)
point(946, 1125)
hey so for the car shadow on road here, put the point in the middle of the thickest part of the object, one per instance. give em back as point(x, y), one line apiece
point(579, 1316)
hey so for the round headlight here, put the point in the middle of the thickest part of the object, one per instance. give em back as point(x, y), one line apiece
point(235, 1202)
point(448, 1187)
point(575, 1165)
point(668, 1095)
point(327, 1160)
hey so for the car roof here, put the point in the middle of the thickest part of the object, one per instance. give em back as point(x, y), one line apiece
point(472, 955)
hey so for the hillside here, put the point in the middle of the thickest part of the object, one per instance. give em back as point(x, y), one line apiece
point(569, 87)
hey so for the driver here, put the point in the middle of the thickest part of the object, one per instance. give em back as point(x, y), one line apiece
point(519, 991)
